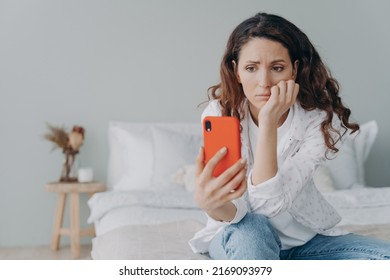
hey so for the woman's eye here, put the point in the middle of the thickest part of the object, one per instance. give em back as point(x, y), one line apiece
point(250, 69)
point(278, 68)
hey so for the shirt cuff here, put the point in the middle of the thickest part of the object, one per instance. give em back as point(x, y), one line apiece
point(242, 209)
point(269, 189)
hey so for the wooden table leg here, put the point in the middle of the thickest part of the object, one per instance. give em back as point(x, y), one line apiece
point(75, 224)
point(58, 220)
point(91, 231)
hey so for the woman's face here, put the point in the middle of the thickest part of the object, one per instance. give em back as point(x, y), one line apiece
point(262, 64)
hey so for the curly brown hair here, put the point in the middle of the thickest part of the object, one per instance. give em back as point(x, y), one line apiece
point(318, 89)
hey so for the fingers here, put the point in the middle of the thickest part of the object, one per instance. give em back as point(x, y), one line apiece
point(285, 92)
point(291, 91)
point(238, 192)
point(210, 166)
point(235, 188)
point(213, 191)
point(224, 183)
point(228, 174)
point(204, 172)
point(228, 185)
point(235, 184)
point(296, 91)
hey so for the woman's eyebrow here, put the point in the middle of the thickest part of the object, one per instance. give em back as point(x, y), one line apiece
point(278, 60)
point(272, 62)
point(252, 62)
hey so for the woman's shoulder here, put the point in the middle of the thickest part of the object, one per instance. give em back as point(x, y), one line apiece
point(213, 109)
point(313, 118)
point(308, 114)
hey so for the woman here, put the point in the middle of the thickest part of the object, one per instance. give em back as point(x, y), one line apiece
point(292, 120)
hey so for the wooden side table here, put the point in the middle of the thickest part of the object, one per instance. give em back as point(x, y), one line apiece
point(74, 231)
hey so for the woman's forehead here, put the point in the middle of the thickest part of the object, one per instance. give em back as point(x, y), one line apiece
point(258, 49)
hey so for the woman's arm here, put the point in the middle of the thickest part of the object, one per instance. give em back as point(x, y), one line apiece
point(265, 164)
point(270, 116)
point(300, 160)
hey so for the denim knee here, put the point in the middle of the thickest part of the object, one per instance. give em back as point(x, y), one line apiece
point(252, 238)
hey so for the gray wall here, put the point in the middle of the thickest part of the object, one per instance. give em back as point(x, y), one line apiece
point(89, 62)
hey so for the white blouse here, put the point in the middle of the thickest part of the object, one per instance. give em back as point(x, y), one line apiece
point(292, 189)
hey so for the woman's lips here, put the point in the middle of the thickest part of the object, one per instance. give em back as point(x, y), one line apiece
point(265, 95)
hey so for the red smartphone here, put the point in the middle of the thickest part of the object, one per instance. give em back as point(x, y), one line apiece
point(221, 132)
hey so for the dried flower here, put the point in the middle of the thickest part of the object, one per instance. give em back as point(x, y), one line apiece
point(58, 136)
point(68, 142)
point(76, 138)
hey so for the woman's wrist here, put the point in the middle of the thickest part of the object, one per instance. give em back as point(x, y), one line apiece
point(224, 213)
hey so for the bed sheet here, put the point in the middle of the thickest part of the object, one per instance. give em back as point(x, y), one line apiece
point(158, 225)
point(362, 206)
point(139, 215)
point(113, 209)
point(167, 241)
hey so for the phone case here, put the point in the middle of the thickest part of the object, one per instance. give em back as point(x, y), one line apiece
point(221, 132)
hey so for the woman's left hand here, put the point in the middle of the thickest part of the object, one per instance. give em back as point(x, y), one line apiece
point(283, 96)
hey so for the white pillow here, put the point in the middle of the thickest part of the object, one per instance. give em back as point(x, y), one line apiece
point(132, 151)
point(347, 168)
point(131, 158)
point(172, 150)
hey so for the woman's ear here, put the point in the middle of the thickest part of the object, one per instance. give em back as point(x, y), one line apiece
point(235, 71)
point(295, 69)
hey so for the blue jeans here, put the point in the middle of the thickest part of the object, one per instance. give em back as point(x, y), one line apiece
point(254, 238)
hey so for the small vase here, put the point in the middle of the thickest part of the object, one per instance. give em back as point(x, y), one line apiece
point(69, 167)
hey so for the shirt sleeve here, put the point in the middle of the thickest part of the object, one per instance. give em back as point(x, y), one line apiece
point(212, 109)
point(242, 208)
point(294, 173)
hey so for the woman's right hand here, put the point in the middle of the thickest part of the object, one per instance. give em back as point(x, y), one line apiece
point(214, 194)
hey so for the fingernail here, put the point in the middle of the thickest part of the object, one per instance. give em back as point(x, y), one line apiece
point(223, 150)
point(243, 161)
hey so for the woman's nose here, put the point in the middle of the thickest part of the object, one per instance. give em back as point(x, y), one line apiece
point(264, 79)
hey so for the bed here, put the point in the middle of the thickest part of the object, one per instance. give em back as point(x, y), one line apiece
point(148, 211)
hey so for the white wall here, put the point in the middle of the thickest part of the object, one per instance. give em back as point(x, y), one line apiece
point(89, 62)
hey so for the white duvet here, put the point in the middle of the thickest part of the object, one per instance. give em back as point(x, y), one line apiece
point(113, 209)
point(362, 206)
